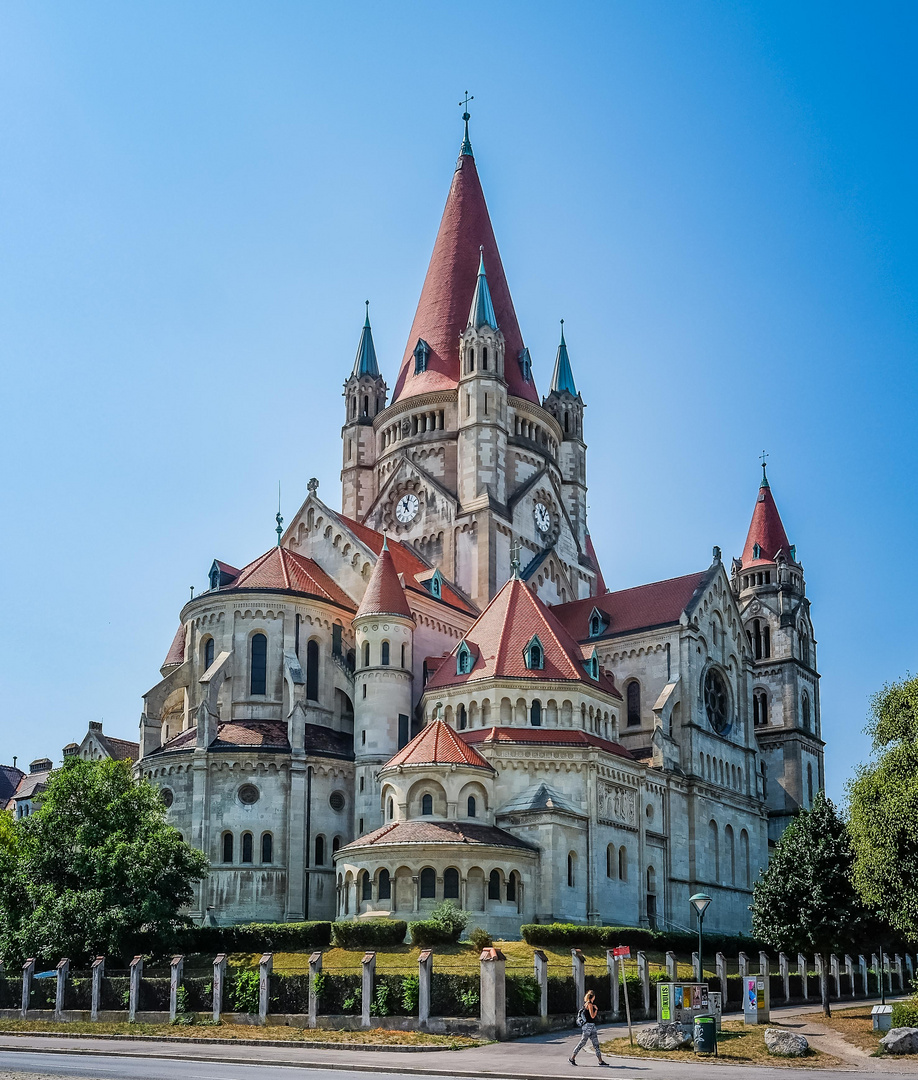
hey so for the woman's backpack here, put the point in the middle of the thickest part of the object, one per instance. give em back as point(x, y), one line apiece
point(581, 1017)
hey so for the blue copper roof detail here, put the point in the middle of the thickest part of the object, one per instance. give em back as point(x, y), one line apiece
point(481, 312)
point(365, 364)
point(563, 378)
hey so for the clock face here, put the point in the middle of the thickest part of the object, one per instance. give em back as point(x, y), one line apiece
point(542, 517)
point(407, 508)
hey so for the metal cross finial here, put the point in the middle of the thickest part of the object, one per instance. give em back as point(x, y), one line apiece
point(515, 560)
point(465, 105)
point(278, 518)
point(762, 458)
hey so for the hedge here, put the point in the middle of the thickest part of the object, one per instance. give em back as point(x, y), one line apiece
point(454, 995)
point(365, 933)
point(10, 993)
point(905, 1013)
point(577, 935)
point(255, 938)
point(427, 933)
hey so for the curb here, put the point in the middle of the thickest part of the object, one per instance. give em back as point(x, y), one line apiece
point(304, 1044)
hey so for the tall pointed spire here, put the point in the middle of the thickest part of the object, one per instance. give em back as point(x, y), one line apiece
point(766, 535)
point(384, 593)
point(562, 381)
point(366, 364)
point(481, 312)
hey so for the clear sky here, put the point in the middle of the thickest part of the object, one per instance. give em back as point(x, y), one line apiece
point(197, 198)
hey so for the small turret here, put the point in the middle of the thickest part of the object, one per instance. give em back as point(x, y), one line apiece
point(566, 406)
point(365, 397)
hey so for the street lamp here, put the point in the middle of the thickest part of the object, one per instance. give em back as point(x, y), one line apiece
point(700, 902)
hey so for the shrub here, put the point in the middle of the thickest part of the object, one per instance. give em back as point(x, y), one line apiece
point(245, 988)
point(523, 994)
point(411, 992)
point(427, 933)
point(905, 1013)
point(253, 937)
point(365, 933)
point(454, 995)
point(576, 935)
point(480, 939)
point(451, 917)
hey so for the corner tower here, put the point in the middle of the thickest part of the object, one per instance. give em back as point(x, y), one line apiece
point(365, 399)
point(566, 406)
point(769, 584)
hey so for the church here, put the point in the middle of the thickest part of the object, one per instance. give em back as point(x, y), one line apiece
point(431, 694)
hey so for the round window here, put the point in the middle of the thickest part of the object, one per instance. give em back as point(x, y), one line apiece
point(716, 700)
point(248, 794)
point(336, 800)
point(167, 797)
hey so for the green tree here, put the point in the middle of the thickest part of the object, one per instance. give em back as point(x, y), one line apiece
point(883, 801)
point(805, 901)
point(92, 867)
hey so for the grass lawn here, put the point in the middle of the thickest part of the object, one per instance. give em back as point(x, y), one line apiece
point(854, 1025)
point(275, 1032)
point(736, 1044)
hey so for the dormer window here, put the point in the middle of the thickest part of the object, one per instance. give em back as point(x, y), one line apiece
point(525, 366)
point(215, 577)
point(535, 655)
point(435, 585)
point(598, 622)
point(756, 551)
point(421, 353)
point(464, 660)
point(592, 666)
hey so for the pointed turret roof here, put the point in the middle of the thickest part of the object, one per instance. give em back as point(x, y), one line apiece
point(591, 555)
point(282, 570)
point(562, 381)
point(442, 313)
point(365, 363)
point(481, 312)
point(766, 529)
point(384, 595)
point(438, 744)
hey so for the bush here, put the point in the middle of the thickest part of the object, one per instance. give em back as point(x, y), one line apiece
point(368, 933)
point(253, 938)
point(454, 995)
point(427, 933)
point(905, 1013)
point(523, 994)
point(576, 935)
point(411, 993)
point(244, 991)
point(481, 939)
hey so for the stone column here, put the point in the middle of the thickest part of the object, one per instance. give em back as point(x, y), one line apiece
point(134, 993)
point(898, 967)
point(176, 970)
point(296, 838)
point(764, 965)
point(219, 979)
point(612, 964)
point(672, 970)
point(644, 974)
point(720, 966)
point(493, 994)
point(801, 971)
point(822, 973)
point(540, 962)
point(743, 965)
point(579, 973)
point(265, 967)
point(315, 966)
point(849, 971)
point(416, 904)
point(28, 970)
point(425, 972)
point(368, 976)
point(784, 968)
point(63, 969)
point(98, 974)
point(835, 973)
point(862, 966)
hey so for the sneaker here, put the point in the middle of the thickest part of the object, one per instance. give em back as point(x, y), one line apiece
point(573, 1061)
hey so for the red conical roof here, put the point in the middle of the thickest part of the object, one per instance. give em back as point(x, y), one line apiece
point(600, 589)
point(766, 530)
point(384, 595)
point(443, 310)
point(438, 744)
point(287, 571)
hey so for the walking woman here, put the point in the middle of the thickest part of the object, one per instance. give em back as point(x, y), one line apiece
point(586, 1018)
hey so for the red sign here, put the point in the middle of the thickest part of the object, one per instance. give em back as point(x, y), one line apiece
point(622, 951)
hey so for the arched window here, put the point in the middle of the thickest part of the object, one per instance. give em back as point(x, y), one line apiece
point(511, 888)
point(312, 671)
point(464, 659)
point(227, 847)
point(623, 864)
point(534, 655)
point(730, 854)
point(208, 653)
point(744, 855)
point(595, 626)
point(390, 809)
point(804, 645)
point(462, 717)
point(714, 848)
point(320, 851)
point(571, 869)
point(652, 896)
point(764, 780)
point(366, 654)
point(535, 713)
point(759, 708)
point(258, 683)
point(428, 882)
point(426, 805)
point(336, 844)
point(610, 861)
point(246, 847)
point(384, 659)
point(267, 847)
point(633, 699)
point(366, 405)
point(805, 710)
point(766, 641)
point(385, 885)
point(484, 358)
point(404, 654)
point(809, 784)
point(494, 885)
point(472, 808)
point(366, 886)
point(451, 883)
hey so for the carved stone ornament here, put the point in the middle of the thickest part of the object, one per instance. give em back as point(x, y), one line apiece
point(617, 804)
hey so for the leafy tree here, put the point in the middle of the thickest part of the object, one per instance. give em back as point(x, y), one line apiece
point(92, 867)
point(805, 900)
point(884, 809)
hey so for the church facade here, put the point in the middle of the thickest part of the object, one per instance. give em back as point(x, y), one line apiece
point(432, 694)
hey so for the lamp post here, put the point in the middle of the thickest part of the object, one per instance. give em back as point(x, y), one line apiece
point(700, 902)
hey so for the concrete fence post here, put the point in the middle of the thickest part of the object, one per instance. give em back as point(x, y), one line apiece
point(743, 965)
point(134, 992)
point(578, 970)
point(28, 970)
point(612, 963)
point(176, 971)
point(672, 969)
point(875, 964)
point(315, 967)
point(822, 973)
point(862, 967)
point(98, 974)
point(898, 963)
point(63, 970)
point(219, 982)
point(644, 974)
point(784, 969)
point(910, 968)
point(720, 967)
point(368, 977)
point(425, 973)
point(493, 994)
point(836, 973)
point(540, 963)
point(265, 967)
point(884, 964)
point(801, 971)
point(849, 971)
point(764, 964)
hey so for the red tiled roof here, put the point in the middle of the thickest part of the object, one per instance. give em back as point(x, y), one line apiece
point(268, 734)
point(176, 653)
point(443, 309)
point(284, 570)
point(438, 744)
point(406, 563)
point(591, 555)
point(119, 749)
point(32, 783)
point(500, 635)
point(439, 832)
point(543, 737)
point(659, 604)
point(766, 530)
point(384, 593)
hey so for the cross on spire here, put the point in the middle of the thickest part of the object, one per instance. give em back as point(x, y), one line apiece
point(466, 150)
point(515, 560)
point(278, 518)
point(762, 458)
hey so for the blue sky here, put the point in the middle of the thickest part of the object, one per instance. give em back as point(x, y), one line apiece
point(197, 199)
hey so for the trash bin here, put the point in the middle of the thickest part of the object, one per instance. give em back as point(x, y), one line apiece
point(705, 1035)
